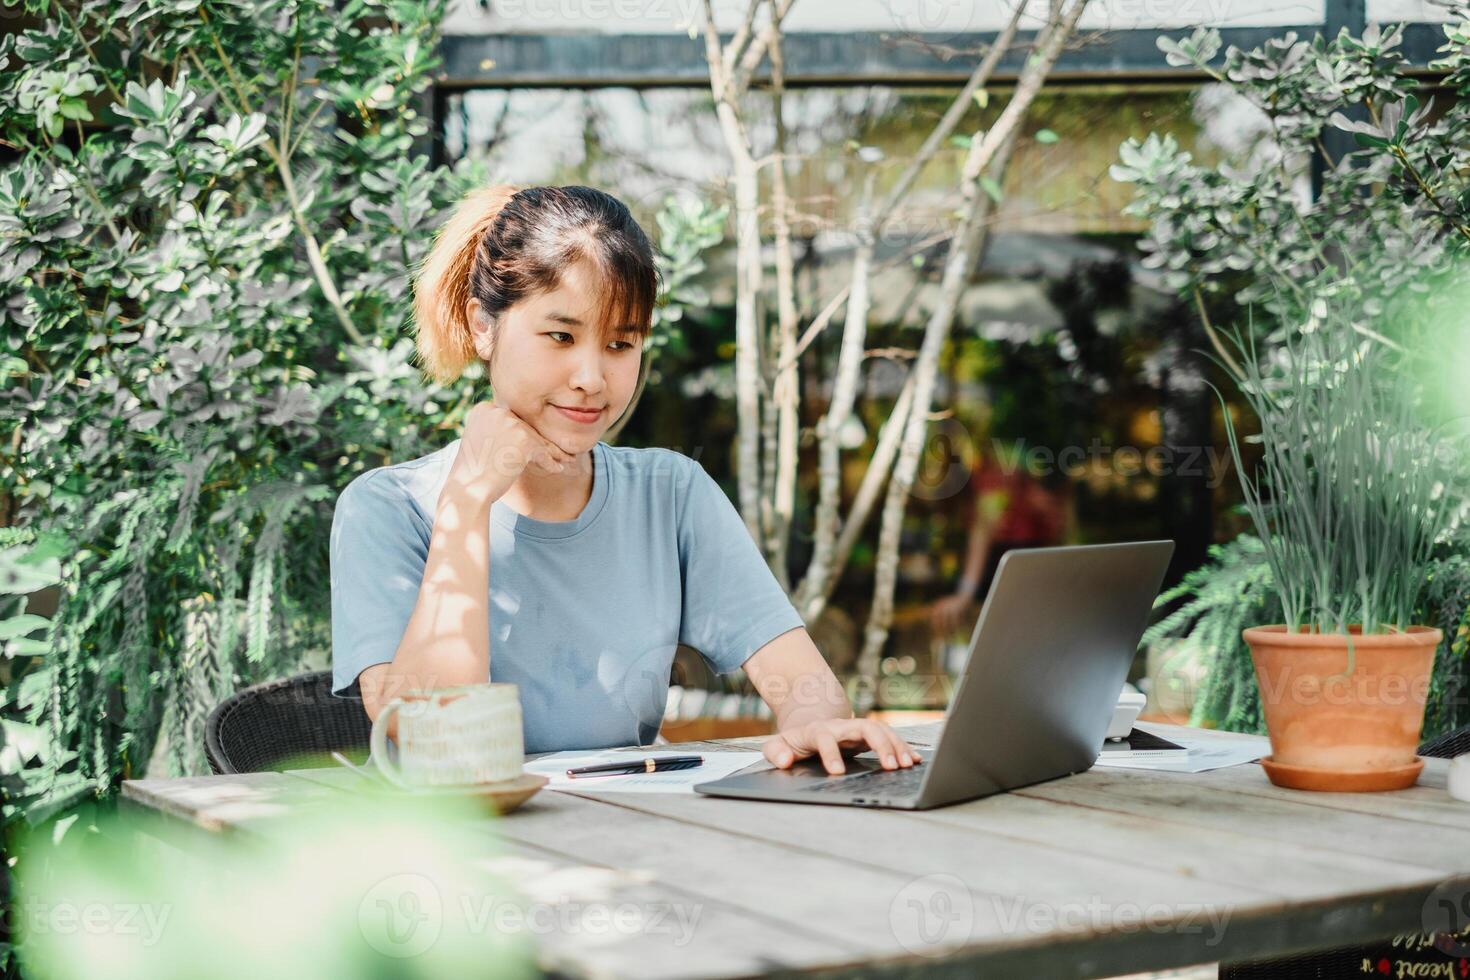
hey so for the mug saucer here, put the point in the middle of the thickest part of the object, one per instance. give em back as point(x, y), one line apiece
point(502, 797)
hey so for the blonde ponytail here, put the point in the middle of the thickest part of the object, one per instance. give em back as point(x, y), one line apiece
point(442, 289)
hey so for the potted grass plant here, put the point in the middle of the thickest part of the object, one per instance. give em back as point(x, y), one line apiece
point(1353, 488)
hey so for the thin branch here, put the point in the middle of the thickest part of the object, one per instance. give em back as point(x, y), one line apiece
point(870, 222)
point(741, 40)
point(748, 375)
point(874, 478)
point(757, 50)
point(978, 79)
point(76, 30)
point(314, 257)
point(785, 384)
point(290, 96)
point(991, 156)
point(1230, 362)
point(815, 328)
point(305, 128)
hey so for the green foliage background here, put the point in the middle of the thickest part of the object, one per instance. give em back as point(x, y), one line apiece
point(1387, 233)
point(208, 225)
point(205, 338)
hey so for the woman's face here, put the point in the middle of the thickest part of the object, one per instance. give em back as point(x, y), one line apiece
point(549, 359)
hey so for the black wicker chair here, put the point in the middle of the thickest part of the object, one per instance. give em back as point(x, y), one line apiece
point(1328, 964)
point(294, 723)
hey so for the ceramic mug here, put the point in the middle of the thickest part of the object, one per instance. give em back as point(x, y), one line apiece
point(452, 736)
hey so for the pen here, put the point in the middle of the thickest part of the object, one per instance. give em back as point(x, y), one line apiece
point(661, 763)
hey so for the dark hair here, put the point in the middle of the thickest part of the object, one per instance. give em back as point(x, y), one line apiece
point(504, 243)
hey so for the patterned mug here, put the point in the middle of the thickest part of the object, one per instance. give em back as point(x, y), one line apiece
point(452, 736)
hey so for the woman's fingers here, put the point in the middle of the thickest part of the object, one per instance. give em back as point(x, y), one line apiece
point(830, 752)
point(886, 743)
point(542, 446)
point(828, 739)
point(554, 452)
point(778, 752)
point(890, 747)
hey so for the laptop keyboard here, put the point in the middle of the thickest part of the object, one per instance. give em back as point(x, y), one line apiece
point(894, 782)
point(921, 736)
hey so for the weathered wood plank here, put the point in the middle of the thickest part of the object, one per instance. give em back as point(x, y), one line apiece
point(1105, 872)
point(217, 803)
point(993, 863)
point(674, 934)
point(1074, 932)
point(1200, 853)
point(1285, 821)
point(1427, 803)
point(867, 861)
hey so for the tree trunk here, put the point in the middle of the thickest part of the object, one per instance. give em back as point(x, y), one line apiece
point(785, 384)
point(988, 155)
point(819, 581)
point(730, 68)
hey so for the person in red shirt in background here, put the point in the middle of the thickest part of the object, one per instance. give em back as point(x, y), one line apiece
point(1011, 508)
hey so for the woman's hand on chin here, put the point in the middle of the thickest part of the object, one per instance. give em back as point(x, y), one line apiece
point(496, 445)
point(830, 738)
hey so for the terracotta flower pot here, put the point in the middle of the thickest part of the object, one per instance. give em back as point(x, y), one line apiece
point(1342, 732)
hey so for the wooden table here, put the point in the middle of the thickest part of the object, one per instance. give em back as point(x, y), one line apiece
point(1110, 871)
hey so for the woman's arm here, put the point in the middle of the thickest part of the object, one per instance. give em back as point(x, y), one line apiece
point(447, 640)
point(813, 715)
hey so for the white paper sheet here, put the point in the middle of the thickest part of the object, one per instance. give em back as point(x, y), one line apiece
point(1206, 750)
point(717, 765)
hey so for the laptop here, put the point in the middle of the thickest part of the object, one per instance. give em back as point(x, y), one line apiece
point(1048, 658)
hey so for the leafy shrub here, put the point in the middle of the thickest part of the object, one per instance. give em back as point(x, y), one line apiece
point(1386, 234)
point(210, 225)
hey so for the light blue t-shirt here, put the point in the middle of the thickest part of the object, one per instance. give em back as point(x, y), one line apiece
point(585, 614)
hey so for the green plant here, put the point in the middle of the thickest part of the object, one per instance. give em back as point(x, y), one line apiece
point(298, 906)
point(1445, 603)
point(1389, 223)
point(1214, 602)
point(208, 224)
point(1353, 490)
point(1381, 242)
point(202, 339)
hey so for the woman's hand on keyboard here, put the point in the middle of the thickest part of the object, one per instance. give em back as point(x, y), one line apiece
point(831, 737)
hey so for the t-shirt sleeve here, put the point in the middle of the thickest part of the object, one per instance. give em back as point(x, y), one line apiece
point(378, 552)
point(733, 604)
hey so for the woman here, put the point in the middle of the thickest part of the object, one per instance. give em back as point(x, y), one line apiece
point(604, 558)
